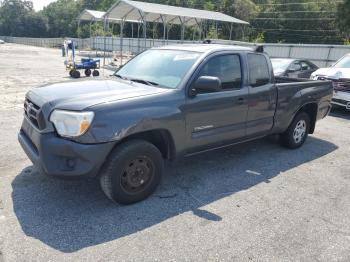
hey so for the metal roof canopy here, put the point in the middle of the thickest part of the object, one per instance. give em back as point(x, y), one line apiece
point(127, 11)
point(98, 16)
point(91, 15)
point(150, 12)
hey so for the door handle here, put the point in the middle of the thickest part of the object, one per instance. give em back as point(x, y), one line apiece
point(240, 101)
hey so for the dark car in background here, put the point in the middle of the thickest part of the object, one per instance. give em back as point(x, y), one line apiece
point(293, 68)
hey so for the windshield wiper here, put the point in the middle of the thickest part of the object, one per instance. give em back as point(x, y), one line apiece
point(142, 81)
point(121, 77)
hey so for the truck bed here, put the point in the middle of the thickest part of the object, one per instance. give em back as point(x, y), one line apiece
point(293, 92)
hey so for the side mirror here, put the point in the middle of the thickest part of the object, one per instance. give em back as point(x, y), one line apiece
point(205, 84)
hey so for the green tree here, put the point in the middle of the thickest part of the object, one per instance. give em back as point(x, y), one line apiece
point(343, 19)
point(62, 18)
point(297, 22)
point(17, 18)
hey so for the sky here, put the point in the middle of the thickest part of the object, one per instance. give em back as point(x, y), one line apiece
point(39, 4)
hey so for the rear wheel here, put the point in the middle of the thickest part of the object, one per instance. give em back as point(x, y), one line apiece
point(132, 172)
point(298, 131)
point(95, 73)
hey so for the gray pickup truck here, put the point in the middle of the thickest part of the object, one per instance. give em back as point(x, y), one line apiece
point(166, 103)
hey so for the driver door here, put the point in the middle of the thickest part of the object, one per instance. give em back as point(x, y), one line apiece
point(214, 119)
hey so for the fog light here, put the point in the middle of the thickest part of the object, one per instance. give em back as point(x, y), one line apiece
point(70, 163)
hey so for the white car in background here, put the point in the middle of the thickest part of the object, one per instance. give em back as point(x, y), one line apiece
point(2, 42)
point(339, 74)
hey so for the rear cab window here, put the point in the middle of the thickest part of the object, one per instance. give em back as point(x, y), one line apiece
point(259, 73)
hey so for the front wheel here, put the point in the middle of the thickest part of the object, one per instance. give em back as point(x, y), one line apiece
point(132, 172)
point(297, 132)
point(75, 74)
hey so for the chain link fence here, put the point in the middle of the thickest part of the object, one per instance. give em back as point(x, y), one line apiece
point(45, 42)
point(321, 55)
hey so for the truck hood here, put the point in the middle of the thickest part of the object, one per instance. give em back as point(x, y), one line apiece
point(78, 95)
point(332, 72)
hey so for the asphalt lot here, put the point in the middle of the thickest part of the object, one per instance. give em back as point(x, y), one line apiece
point(252, 202)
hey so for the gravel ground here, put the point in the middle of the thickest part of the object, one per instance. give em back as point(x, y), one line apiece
point(252, 202)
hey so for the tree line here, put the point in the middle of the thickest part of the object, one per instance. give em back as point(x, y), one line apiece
point(283, 21)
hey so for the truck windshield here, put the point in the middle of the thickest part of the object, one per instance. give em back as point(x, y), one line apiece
point(164, 68)
point(343, 63)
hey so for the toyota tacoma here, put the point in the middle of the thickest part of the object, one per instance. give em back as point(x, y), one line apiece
point(166, 103)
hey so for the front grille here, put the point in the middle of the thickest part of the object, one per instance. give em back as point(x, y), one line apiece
point(34, 114)
point(340, 101)
point(341, 86)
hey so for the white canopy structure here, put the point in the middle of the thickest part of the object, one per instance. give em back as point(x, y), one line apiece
point(149, 12)
point(167, 15)
point(142, 13)
point(91, 15)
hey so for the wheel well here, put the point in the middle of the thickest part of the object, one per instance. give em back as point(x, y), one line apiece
point(160, 138)
point(311, 110)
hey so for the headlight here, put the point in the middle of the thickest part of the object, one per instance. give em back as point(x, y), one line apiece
point(70, 123)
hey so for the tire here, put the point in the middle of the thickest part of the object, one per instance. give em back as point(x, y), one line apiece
point(87, 72)
point(71, 72)
point(297, 132)
point(132, 172)
point(76, 74)
point(95, 73)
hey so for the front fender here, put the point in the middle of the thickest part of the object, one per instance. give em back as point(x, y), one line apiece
point(116, 125)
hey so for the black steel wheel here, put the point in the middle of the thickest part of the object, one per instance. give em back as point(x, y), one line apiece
point(87, 72)
point(132, 172)
point(137, 175)
point(95, 73)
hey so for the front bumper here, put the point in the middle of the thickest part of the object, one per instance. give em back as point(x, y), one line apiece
point(56, 156)
point(341, 99)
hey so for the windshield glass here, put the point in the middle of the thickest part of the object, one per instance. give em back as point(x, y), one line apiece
point(280, 64)
point(165, 68)
point(343, 63)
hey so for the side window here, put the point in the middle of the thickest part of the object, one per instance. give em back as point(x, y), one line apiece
point(225, 67)
point(305, 66)
point(295, 67)
point(258, 70)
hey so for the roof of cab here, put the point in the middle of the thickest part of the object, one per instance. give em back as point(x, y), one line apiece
point(203, 48)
